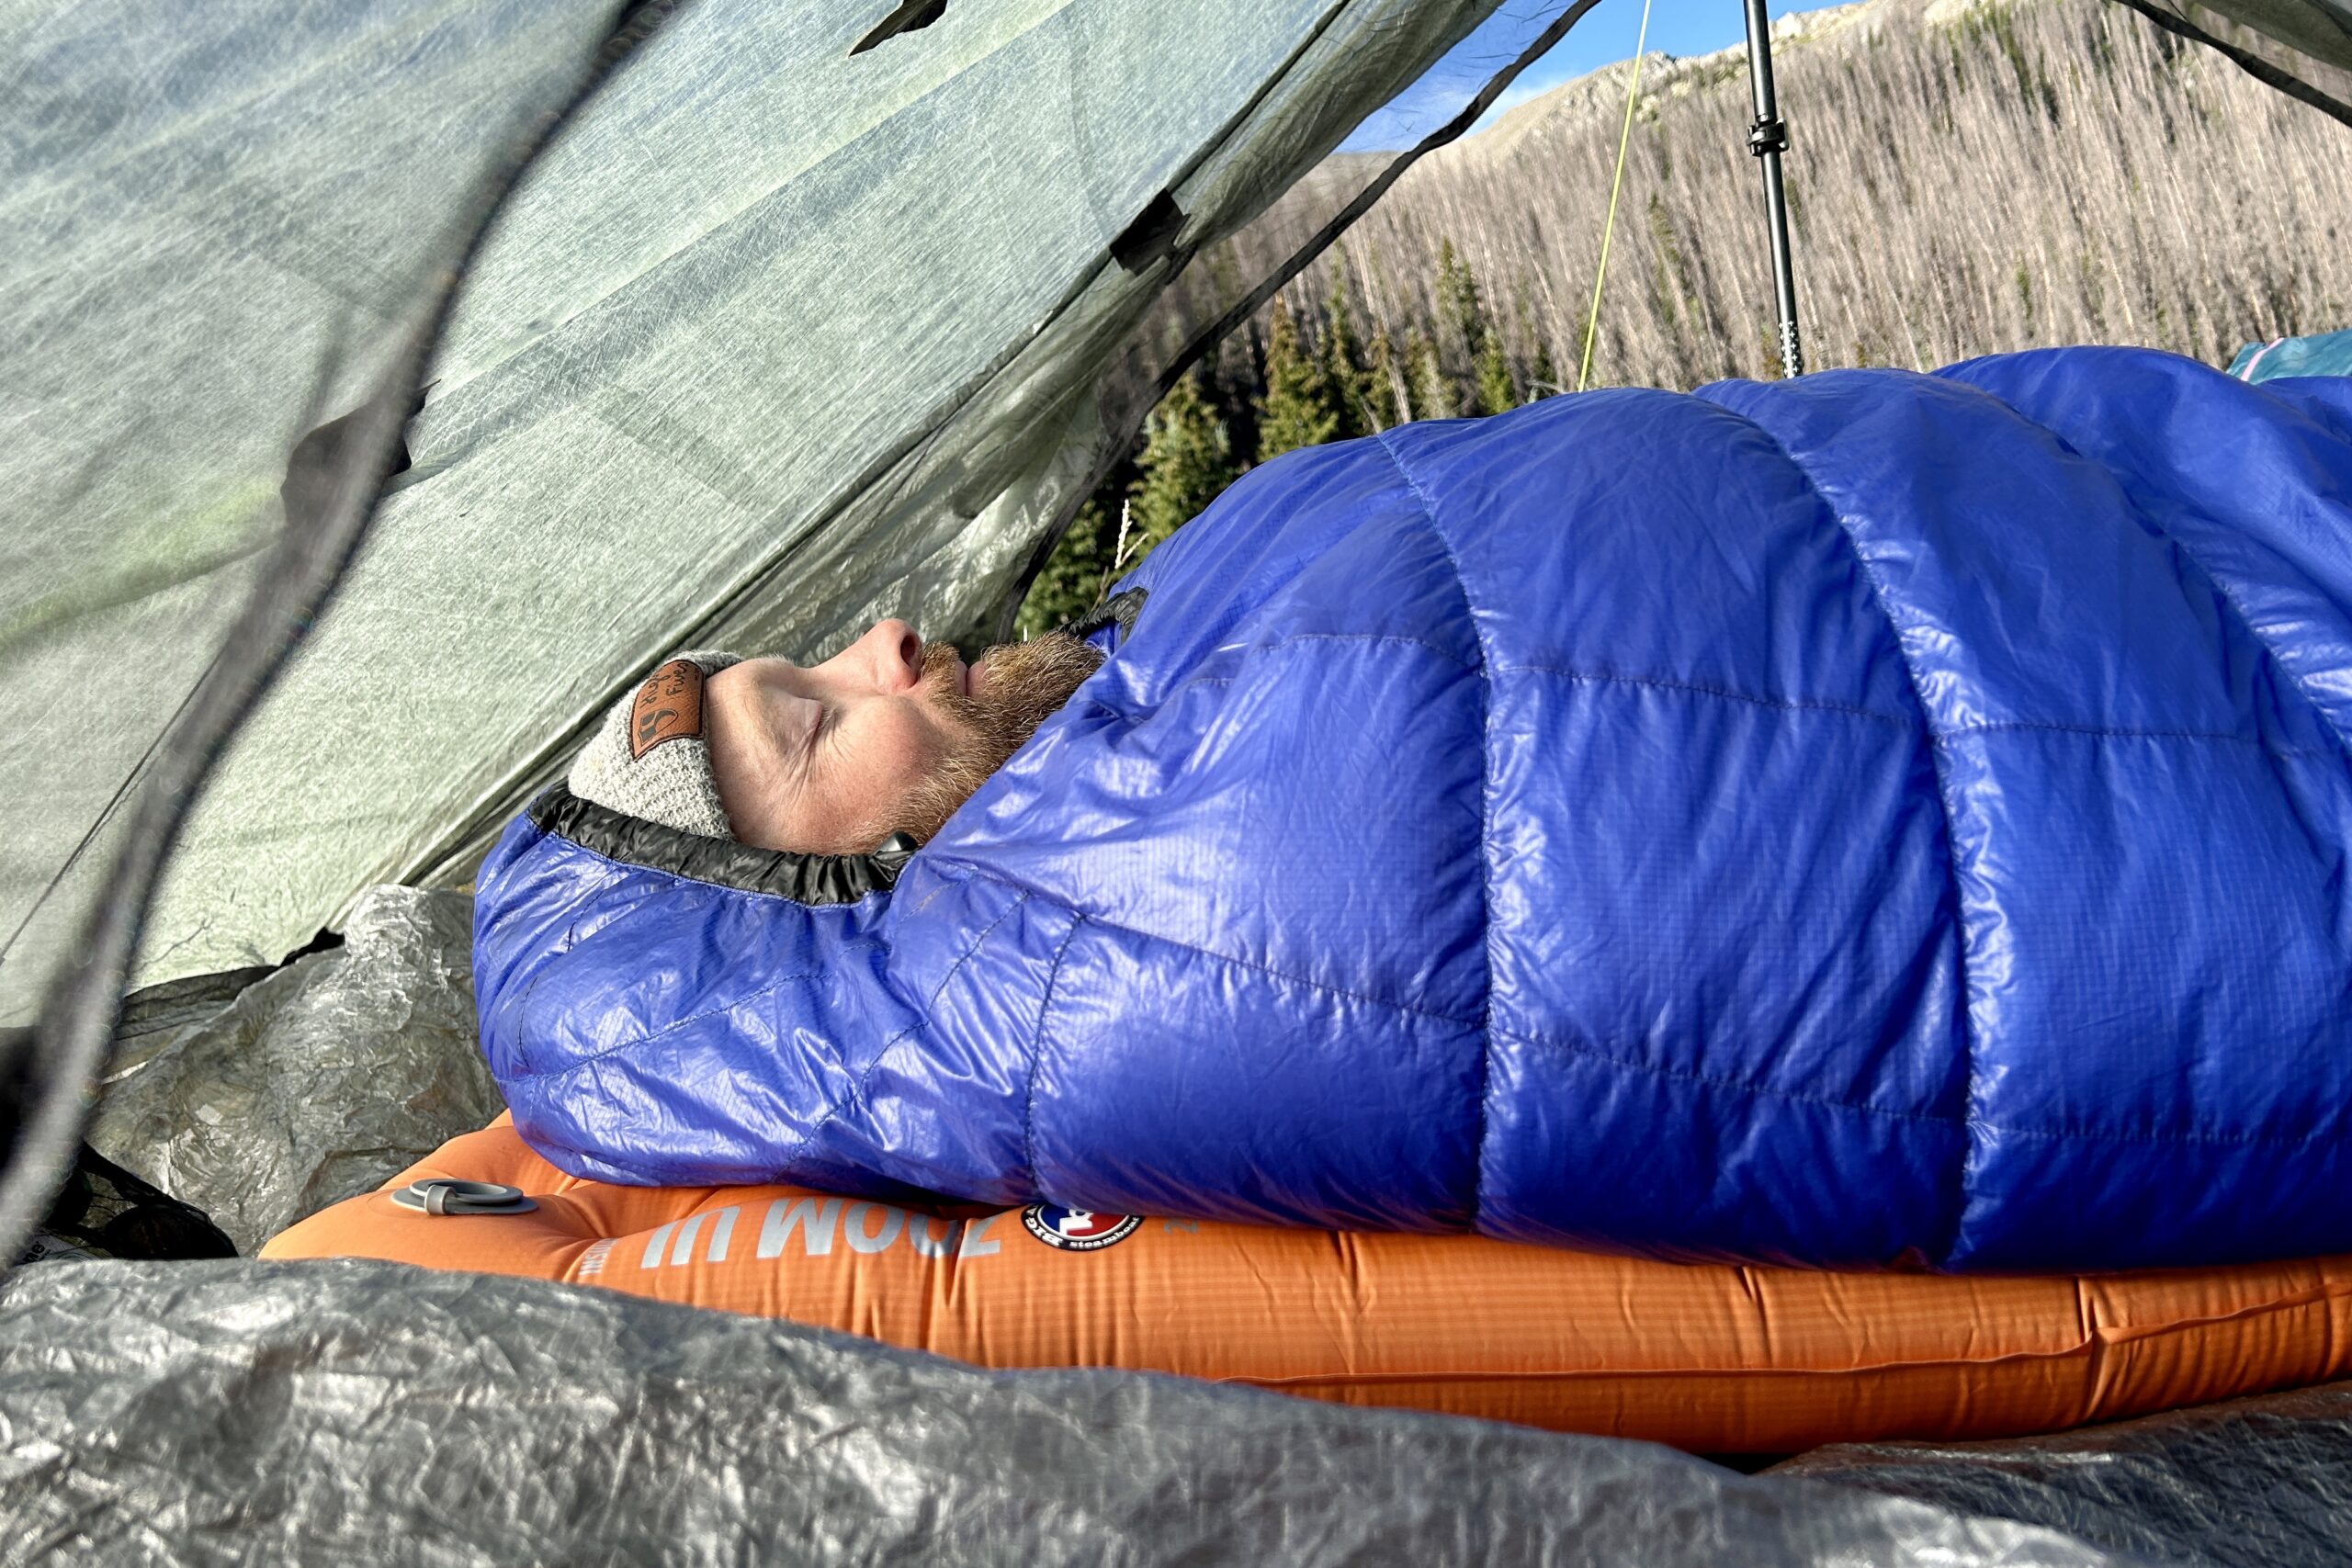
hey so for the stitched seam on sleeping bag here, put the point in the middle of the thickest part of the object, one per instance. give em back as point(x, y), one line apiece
point(1189, 682)
point(2147, 517)
point(674, 1026)
point(2161, 1136)
point(865, 1075)
point(1943, 802)
point(1486, 819)
point(1037, 1054)
point(1445, 653)
point(1594, 677)
point(991, 875)
point(1741, 1086)
point(945, 883)
point(1785, 704)
point(1997, 726)
point(1745, 1086)
point(1099, 706)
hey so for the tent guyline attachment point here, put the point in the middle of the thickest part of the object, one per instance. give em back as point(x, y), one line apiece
point(1768, 138)
point(912, 16)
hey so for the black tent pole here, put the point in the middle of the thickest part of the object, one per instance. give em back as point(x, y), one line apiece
point(1767, 139)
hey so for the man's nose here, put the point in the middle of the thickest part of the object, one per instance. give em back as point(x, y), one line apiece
point(895, 653)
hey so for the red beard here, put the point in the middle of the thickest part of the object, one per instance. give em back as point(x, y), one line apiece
point(1023, 682)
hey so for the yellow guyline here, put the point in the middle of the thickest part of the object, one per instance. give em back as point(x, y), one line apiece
point(1609, 229)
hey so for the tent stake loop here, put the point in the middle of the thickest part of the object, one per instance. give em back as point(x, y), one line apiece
point(1768, 138)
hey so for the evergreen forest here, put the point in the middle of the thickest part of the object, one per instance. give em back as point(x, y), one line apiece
point(1967, 177)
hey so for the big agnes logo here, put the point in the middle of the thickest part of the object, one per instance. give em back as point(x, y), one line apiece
point(668, 708)
point(1077, 1230)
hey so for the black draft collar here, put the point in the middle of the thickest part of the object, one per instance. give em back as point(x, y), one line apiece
point(1120, 610)
point(803, 878)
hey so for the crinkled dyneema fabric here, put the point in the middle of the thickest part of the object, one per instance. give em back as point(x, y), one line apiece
point(260, 1412)
point(316, 1082)
point(2240, 1484)
point(1871, 820)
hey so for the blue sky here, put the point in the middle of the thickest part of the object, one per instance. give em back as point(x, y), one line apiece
point(1604, 37)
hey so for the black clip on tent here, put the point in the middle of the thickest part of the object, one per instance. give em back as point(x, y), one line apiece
point(1768, 138)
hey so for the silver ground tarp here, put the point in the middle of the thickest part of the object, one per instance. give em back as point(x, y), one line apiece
point(2242, 1484)
point(326, 1413)
point(314, 1083)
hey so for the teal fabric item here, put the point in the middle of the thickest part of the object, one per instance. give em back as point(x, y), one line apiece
point(2329, 353)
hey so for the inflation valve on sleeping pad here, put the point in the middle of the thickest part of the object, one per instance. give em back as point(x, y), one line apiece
point(447, 1195)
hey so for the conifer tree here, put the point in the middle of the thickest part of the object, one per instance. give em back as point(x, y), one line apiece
point(1299, 406)
point(1462, 319)
point(1459, 307)
point(1229, 384)
point(1187, 461)
point(1432, 390)
point(1343, 364)
point(1492, 373)
point(1543, 377)
point(1462, 313)
point(1544, 371)
point(1385, 404)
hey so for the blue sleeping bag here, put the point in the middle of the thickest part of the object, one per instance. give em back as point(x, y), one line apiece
point(1880, 820)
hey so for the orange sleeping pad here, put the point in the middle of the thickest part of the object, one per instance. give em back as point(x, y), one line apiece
point(1714, 1358)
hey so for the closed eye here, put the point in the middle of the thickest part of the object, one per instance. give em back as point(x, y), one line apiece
point(811, 719)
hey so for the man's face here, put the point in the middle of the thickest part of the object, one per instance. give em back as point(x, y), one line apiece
point(886, 736)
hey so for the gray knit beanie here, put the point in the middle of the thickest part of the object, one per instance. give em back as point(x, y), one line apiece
point(650, 759)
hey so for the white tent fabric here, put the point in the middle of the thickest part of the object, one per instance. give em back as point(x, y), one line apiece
point(2321, 29)
point(777, 337)
point(210, 233)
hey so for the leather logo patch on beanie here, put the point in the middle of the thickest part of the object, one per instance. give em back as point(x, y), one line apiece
point(668, 708)
point(630, 767)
